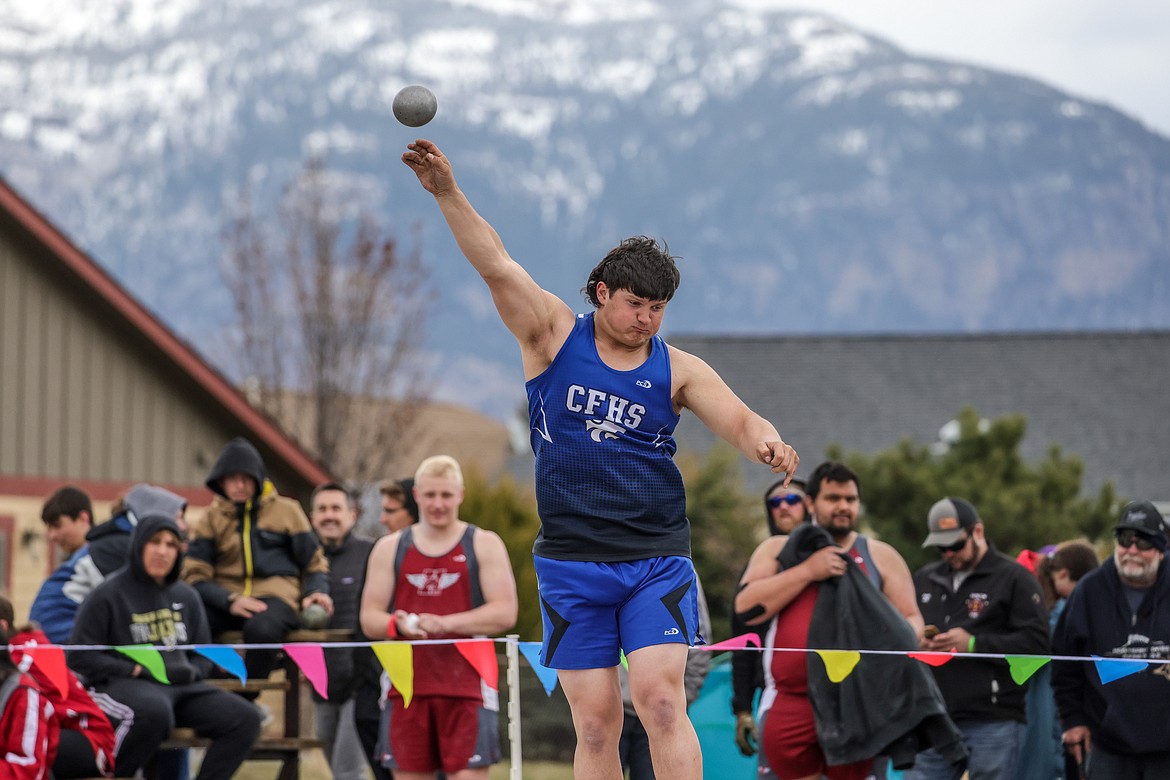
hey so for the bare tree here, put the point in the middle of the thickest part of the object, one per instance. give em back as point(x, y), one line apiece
point(329, 322)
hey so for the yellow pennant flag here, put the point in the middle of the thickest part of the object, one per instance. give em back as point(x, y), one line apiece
point(398, 661)
point(839, 663)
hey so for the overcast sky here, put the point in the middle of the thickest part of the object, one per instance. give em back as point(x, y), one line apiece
point(1111, 51)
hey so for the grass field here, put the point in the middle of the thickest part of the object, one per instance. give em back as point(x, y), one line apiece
point(313, 768)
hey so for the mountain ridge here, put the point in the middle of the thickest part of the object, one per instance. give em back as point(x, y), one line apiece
point(812, 177)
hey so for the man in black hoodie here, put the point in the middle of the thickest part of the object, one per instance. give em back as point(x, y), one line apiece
point(1119, 610)
point(145, 604)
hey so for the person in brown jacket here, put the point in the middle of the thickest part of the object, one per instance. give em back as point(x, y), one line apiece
point(253, 557)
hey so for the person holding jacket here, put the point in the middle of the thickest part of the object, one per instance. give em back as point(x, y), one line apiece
point(1121, 609)
point(146, 604)
point(253, 557)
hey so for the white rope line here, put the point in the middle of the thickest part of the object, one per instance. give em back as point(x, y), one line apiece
point(506, 640)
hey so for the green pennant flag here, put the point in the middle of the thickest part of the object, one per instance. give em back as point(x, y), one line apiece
point(1023, 667)
point(148, 658)
point(622, 658)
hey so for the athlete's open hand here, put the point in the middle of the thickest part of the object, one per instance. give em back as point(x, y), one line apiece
point(780, 457)
point(430, 166)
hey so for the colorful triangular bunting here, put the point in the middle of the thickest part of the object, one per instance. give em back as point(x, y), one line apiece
point(932, 659)
point(1022, 667)
point(50, 659)
point(226, 658)
point(735, 643)
point(1110, 669)
point(547, 677)
point(397, 658)
point(839, 663)
point(481, 654)
point(148, 658)
point(311, 660)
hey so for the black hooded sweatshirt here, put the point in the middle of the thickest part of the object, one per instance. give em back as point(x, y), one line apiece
point(130, 608)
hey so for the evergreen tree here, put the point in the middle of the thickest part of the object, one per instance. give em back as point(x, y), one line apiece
point(1023, 506)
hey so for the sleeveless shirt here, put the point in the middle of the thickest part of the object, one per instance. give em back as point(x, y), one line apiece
point(441, 585)
point(607, 488)
point(788, 671)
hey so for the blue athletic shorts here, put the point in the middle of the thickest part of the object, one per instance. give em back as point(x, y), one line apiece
point(591, 610)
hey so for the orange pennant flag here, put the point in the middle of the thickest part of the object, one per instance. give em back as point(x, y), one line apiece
point(50, 659)
point(481, 654)
point(933, 659)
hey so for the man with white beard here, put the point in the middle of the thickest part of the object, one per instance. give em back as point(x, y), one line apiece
point(1120, 610)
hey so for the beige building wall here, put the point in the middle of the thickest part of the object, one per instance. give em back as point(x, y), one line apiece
point(29, 558)
point(78, 398)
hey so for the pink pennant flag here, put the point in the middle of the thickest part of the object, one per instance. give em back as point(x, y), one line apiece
point(735, 643)
point(481, 654)
point(311, 660)
point(933, 659)
point(50, 659)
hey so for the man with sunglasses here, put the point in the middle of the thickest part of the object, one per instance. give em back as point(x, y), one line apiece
point(977, 600)
point(783, 599)
point(1121, 609)
point(784, 509)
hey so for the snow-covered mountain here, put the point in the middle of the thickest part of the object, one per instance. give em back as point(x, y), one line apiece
point(813, 178)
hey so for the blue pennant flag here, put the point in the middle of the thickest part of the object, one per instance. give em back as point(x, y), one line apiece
point(225, 657)
point(1110, 669)
point(547, 677)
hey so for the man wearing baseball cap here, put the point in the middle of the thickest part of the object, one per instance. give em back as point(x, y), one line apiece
point(1121, 609)
point(976, 600)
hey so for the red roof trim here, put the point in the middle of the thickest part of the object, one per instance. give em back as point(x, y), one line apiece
point(43, 487)
point(88, 271)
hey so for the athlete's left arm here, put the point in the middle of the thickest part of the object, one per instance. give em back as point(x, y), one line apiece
point(498, 585)
point(697, 387)
point(897, 583)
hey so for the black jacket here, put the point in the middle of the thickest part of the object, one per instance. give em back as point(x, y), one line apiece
point(1128, 716)
point(347, 576)
point(130, 608)
point(999, 603)
point(890, 704)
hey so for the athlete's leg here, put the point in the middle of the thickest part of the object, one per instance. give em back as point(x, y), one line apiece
point(656, 687)
point(595, 699)
point(480, 773)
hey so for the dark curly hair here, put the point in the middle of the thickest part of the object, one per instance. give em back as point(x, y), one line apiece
point(640, 265)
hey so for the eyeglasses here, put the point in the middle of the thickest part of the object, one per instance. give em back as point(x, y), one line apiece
point(1125, 539)
point(792, 499)
point(959, 545)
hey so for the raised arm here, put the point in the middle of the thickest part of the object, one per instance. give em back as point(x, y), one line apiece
point(498, 585)
point(538, 319)
point(697, 387)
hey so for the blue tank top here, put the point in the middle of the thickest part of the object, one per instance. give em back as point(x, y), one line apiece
point(607, 488)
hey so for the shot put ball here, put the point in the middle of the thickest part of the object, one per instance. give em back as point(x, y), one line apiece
point(414, 106)
point(314, 616)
